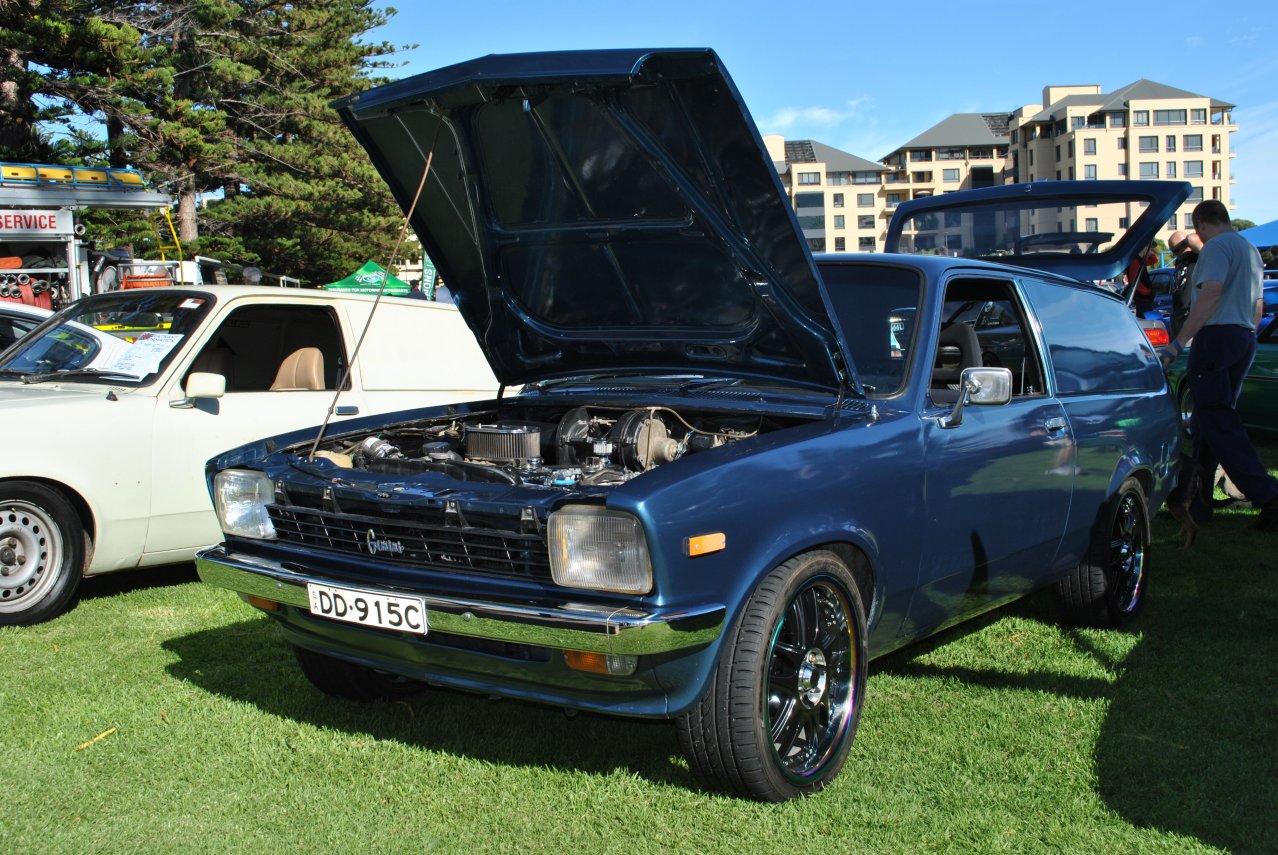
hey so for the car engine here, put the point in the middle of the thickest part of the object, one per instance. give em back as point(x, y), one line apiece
point(558, 448)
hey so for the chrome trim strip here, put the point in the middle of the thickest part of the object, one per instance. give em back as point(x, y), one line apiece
point(566, 626)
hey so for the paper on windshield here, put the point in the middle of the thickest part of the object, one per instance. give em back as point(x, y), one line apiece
point(145, 354)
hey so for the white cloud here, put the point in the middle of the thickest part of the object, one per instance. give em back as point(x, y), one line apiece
point(801, 118)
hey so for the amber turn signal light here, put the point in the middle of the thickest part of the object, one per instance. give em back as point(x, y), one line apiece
point(705, 543)
point(262, 603)
point(601, 663)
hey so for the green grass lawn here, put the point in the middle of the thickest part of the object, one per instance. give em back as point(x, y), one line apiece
point(1010, 734)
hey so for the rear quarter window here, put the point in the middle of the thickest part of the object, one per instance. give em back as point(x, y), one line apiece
point(1094, 341)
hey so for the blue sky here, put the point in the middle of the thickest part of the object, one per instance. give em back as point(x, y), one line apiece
point(866, 78)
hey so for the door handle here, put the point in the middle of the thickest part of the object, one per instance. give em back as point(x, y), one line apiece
point(1056, 424)
point(346, 410)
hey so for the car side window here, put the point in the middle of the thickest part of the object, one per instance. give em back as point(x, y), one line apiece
point(275, 348)
point(1094, 341)
point(983, 324)
point(12, 329)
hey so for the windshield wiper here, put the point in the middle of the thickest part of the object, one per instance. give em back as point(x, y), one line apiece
point(68, 373)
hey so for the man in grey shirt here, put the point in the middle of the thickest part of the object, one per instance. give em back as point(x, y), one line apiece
point(1226, 307)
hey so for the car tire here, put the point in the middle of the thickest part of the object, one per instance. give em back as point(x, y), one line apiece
point(1109, 586)
point(780, 714)
point(343, 679)
point(41, 553)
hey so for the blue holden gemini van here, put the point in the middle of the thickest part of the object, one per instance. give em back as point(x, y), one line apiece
point(722, 474)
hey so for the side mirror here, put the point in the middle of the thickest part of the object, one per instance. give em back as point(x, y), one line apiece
point(980, 387)
point(200, 385)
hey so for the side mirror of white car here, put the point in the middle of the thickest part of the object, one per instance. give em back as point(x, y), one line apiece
point(200, 385)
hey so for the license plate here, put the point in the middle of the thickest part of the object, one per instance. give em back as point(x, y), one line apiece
point(368, 608)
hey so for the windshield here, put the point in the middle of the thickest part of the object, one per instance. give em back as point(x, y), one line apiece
point(120, 338)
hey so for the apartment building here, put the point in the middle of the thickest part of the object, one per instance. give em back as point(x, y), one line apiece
point(1144, 130)
point(836, 195)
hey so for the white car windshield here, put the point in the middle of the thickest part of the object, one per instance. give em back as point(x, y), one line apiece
point(118, 338)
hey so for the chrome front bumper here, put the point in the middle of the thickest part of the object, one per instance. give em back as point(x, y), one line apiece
point(566, 626)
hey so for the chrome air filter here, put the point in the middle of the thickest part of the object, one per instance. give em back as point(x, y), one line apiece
point(503, 443)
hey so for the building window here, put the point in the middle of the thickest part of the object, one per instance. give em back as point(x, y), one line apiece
point(1169, 117)
point(1193, 142)
point(982, 154)
point(1215, 143)
point(865, 221)
point(838, 178)
point(1171, 169)
point(1015, 136)
point(1148, 145)
point(1195, 195)
point(920, 154)
point(837, 200)
point(1070, 152)
point(1122, 222)
point(1198, 117)
point(838, 221)
point(865, 200)
point(809, 200)
point(951, 153)
point(1071, 173)
point(893, 199)
point(1089, 146)
point(865, 178)
point(1171, 222)
point(1193, 169)
point(1118, 120)
point(1058, 154)
point(1077, 122)
point(809, 178)
point(816, 244)
point(1122, 170)
point(1122, 143)
point(1171, 143)
point(921, 177)
point(1148, 170)
point(1092, 224)
point(1058, 175)
point(840, 244)
point(865, 244)
point(812, 224)
point(1089, 172)
point(1140, 118)
point(1031, 154)
point(950, 175)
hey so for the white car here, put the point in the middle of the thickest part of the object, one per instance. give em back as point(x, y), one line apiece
point(18, 319)
point(135, 390)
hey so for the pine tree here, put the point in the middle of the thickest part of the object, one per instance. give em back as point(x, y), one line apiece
point(209, 98)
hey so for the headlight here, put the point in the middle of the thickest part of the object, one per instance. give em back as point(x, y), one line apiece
point(240, 497)
point(599, 549)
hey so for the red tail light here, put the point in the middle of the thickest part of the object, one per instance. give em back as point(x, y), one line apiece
point(1157, 336)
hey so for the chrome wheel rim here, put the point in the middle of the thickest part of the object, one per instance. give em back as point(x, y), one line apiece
point(30, 554)
point(1127, 554)
point(811, 690)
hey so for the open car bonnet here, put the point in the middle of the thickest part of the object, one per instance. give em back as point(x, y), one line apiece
point(603, 211)
point(1087, 230)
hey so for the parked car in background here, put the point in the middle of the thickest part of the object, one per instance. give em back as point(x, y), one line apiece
point(1258, 404)
point(734, 472)
point(18, 319)
point(134, 390)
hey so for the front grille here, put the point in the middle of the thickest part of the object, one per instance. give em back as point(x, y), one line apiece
point(422, 542)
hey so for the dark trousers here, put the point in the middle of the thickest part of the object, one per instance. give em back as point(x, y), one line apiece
point(1218, 362)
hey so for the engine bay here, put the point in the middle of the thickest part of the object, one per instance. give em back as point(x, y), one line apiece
point(551, 447)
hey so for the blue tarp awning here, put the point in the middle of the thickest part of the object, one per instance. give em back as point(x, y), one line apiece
point(1262, 236)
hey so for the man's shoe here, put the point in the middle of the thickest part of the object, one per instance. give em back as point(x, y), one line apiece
point(1268, 519)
